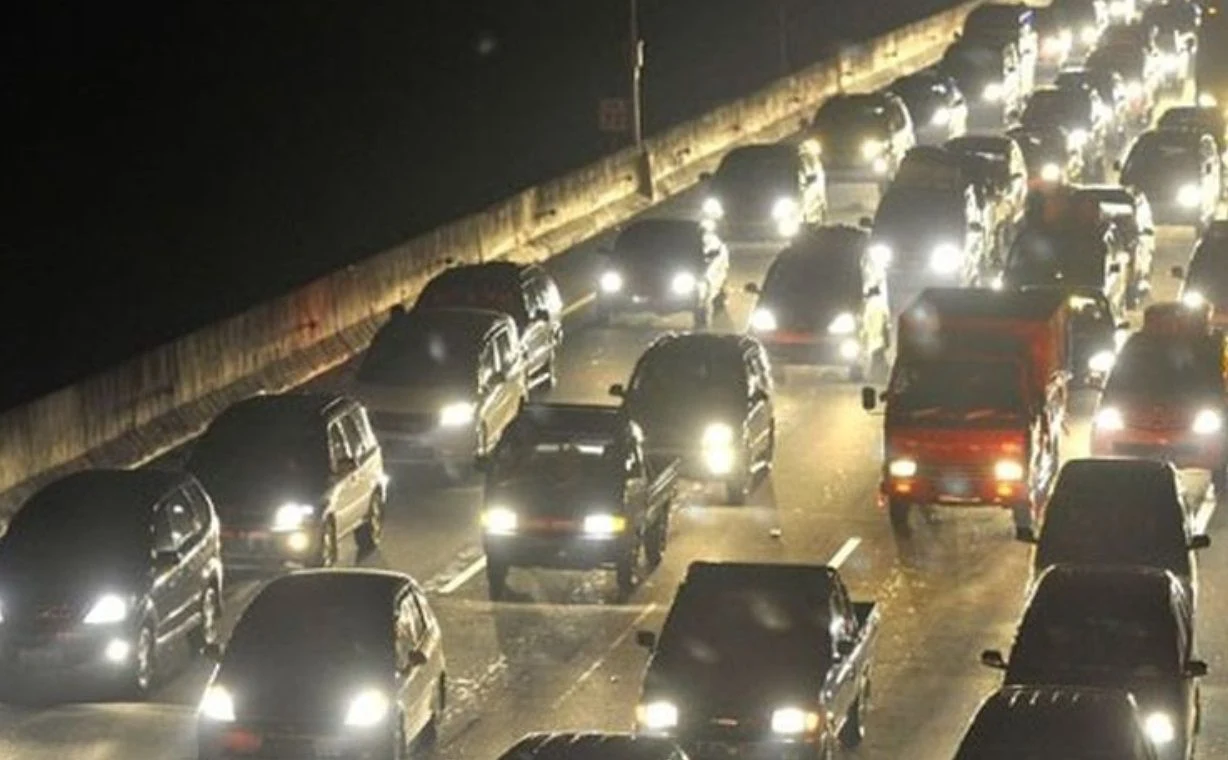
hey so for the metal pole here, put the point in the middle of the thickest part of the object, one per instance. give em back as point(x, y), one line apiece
point(782, 24)
point(637, 65)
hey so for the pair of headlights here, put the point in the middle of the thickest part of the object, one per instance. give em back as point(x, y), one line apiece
point(662, 715)
point(764, 320)
point(945, 258)
point(503, 521)
point(107, 609)
point(682, 284)
point(1003, 469)
point(1206, 421)
point(369, 707)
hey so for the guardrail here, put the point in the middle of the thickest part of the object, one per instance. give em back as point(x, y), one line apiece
point(139, 409)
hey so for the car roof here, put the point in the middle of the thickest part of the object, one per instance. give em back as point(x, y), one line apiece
point(1090, 581)
point(729, 343)
point(305, 405)
point(465, 323)
point(137, 489)
point(337, 584)
point(591, 746)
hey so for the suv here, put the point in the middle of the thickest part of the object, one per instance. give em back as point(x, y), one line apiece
point(442, 384)
point(1013, 24)
point(291, 475)
point(105, 569)
point(1206, 279)
point(766, 192)
point(525, 292)
point(863, 136)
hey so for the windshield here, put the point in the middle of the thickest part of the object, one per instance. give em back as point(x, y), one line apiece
point(69, 529)
point(990, 21)
point(1203, 119)
point(559, 462)
point(967, 391)
point(1104, 639)
point(474, 292)
point(1166, 368)
point(842, 116)
point(759, 168)
point(1154, 158)
point(1056, 107)
point(814, 279)
point(343, 635)
point(420, 357)
point(969, 59)
point(1044, 257)
point(907, 215)
point(667, 242)
point(269, 445)
point(677, 372)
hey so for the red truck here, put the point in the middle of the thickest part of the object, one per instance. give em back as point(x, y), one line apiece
point(975, 403)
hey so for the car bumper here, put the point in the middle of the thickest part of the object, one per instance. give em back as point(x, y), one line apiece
point(571, 552)
point(765, 230)
point(259, 549)
point(439, 446)
point(1183, 449)
point(230, 741)
point(66, 657)
point(955, 487)
point(814, 350)
point(655, 303)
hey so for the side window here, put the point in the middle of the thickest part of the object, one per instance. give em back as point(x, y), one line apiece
point(554, 299)
point(364, 428)
point(534, 296)
point(841, 615)
point(487, 364)
point(174, 523)
point(505, 347)
point(406, 633)
point(420, 616)
point(199, 503)
point(353, 434)
point(634, 466)
point(338, 449)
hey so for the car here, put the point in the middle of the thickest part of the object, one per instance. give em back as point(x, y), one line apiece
point(706, 399)
point(593, 746)
point(1048, 155)
point(760, 660)
point(1093, 336)
point(1129, 212)
point(525, 292)
point(1057, 38)
point(989, 75)
point(1089, 256)
point(1176, 24)
point(766, 192)
point(291, 476)
point(1026, 722)
point(864, 136)
point(998, 166)
point(441, 385)
point(664, 266)
point(1139, 73)
point(1086, 20)
point(1208, 120)
point(328, 662)
point(1121, 627)
point(1011, 24)
point(1111, 87)
point(1205, 280)
point(823, 302)
point(106, 573)
point(1081, 113)
point(570, 487)
point(935, 104)
point(1179, 171)
point(1119, 511)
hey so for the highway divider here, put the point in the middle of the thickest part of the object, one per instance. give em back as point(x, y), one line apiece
point(134, 412)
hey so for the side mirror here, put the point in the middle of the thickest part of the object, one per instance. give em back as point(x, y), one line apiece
point(498, 376)
point(865, 222)
point(845, 648)
point(212, 651)
point(1201, 541)
point(1178, 272)
point(416, 659)
point(874, 291)
point(166, 560)
point(1147, 232)
point(1016, 177)
point(759, 396)
point(617, 390)
point(869, 398)
point(1123, 325)
point(646, 639)
point(992, 658)
point(752, 288)
point(1195, 669)
point(1026, 535)
point(705, 176)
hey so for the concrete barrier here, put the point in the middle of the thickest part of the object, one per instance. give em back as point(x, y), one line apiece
point(140, 408)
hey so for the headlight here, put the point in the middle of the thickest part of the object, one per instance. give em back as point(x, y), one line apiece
point(1207, 100)
point(1110, 418)
point(1160, 729)
point(1051, 173)
point(217, 704)
point(791, 721)
point(370, 707)
point(291, 516)
point(604, 524)
point(1134, 89)
point(1208, 422)
point(992, 92)
point(762, 320)
point(946, 258)
point(843, 324)
point(850, 349)
point(1119, 7)
point(872, 149)
point(941, 117)
point(683, 283)
point(457, 414)
point(712, 208)
point(1189, 196)
point(997, 283)
point(1193, 299)
point(902, 468)
point(499, 521)
point(717, 434)
point(1077, 139)
point(611, 282)
point(1089, 35)
point(657, 716)
point(784, 209)
point(1102, 361)
point(880, 254)
point(1007, 469)
point(110, 608)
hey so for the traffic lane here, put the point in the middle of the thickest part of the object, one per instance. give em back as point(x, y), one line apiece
point(101, 732)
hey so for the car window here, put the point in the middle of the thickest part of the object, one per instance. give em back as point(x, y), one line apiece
point(353, 434)
point(174, 524)
point(505, 348)
point(338, 448)
point(487, 364)
point(364, 426)
point(200, 504)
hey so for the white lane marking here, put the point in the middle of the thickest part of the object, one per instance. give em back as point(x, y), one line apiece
point(463, 577)
point(604, 656)
point(578, 304)
point(576, 608)
point(844, 552)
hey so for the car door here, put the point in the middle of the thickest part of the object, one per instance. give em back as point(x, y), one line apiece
point(536, 336)
point(635, 495)
point(419, 661)
point(346, 489)
point(758, 402)
point(174, 591)
point(840, 683)
point(506, 394)
point(206, 515)
point(367, 473)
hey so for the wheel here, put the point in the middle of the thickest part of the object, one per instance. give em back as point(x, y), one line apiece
point(496, 579)
point(854, 726)
point(624, 571)
point(371, 531)
point(144, 670)
point(208, 632)
point(1025, 524)
point(898, 511)
point(721, 302)
point(702, 315)
point(656, 538)
point(326, 554)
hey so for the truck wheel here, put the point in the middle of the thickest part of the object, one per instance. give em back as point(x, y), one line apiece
point(496, 579)
point(655, 540)
point(854, 727)
point(898, 511)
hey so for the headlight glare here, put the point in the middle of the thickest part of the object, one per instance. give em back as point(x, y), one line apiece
point(1007, 469)
point(611, 281)
point(872, 149)
point(712, 208)
point(717, 434)
point(1134, 89)
point(1193, 299)
point(217, 704)
point(1208, 422)
point(1110, 418)
point(291, 516)
point(1077, 139)
point(1159, 728)
point(1102, 361)
point(109, 608)
point(843, 324)
point(499, 521)
point(946, 258)
point(1089, 35)
point(457, 414)
point(657, 716)
point(992, 92)
point(683, 283)
point(368, 708)
point(1189, 196)
point(784, 209)
point(791, 721)
point(941, 117)
point(1207, 100)
point(603, 524)
point(880, 254)
point(763, 320)
point(1051, 173)
point(902, 468)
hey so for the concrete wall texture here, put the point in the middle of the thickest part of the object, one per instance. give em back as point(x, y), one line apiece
point(152, 402)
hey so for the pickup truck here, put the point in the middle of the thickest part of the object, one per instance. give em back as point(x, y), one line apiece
point(570, 487)
point(765, 659)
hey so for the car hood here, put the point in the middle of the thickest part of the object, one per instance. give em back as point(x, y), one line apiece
point(680, 422)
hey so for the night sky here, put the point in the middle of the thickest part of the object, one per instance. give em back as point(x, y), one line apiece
point(171, 164)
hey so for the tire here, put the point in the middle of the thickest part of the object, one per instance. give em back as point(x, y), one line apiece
point(1024, 522)
point(327, 551)
point(737, 492)
point(496, 579)
point(208, 632)
point(854, 730)
point(898, 512)
point(701, 317)
point(655, 540)
point(143, 674)
point(368, 535)
point(624, 572)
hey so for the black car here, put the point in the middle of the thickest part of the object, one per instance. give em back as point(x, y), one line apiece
point(1048, 155)
point(104, 572)
point(1176, 23)
point(664, 266)
point(989, 76)
point(570, 487)
point(525, 292)
point(1206, 279)
point(1129, 212)
point(1180, 173)
point(1057, 38)
point(1078, 111)
point(766, 192)
point(1011, 24)
point(1071, 722)
point(328, 663)
point(1137, 68)
point(1208, 120)
point(1110, 86)
point(935, 104)
point(823, 302)
point(1069, 257)
point(997, 164)
point(706, 399)
point(864, 136)
point(593, 746)
point(1113, 627)
point(1086, 20)
point(291, 476)
point(1093, 336)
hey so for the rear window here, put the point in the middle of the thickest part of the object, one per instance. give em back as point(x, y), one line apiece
point(475, 291)
point(421, 356)
point(659, 240)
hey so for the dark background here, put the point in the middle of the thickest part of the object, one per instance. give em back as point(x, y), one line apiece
point(173, 164)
